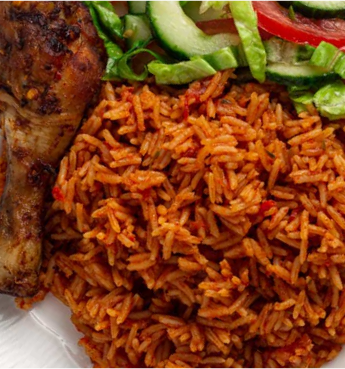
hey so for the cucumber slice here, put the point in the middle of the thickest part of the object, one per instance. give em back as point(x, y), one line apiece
point(281, 51)
point(137, 30)
point(192, 9)
point(299, 75)
point(321, 9)
point(139, 7)
point(136, 7)
point(318, 9)
point(179, 35)
point(198, 67)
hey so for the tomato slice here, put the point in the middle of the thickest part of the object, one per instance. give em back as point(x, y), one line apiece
point(274, 19)
point(225, 25)
point(214, 26)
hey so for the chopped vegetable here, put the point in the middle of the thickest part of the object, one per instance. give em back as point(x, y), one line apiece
point(183, 3)
point(292, 60)
point(266, 206)
point(110, 21)
point(137, 31)
point(281, 51)
point(340, 66)
point(318, 9)
point(194, 11)
point(198, 67)
point(179, 35)
point(301, 98)
point(325, 56)
point(216, 4)
point(136, 7)
point(246, 24)
point(299, 75)
point(330, 99)
point(125, 71)
point(114, 51)
point(292, 15)
point(274, 19)
point(180, 73)
point(221, 59)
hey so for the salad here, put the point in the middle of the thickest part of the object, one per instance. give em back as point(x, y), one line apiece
point(299, 44)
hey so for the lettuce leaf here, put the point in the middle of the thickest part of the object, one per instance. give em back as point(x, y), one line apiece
point(300, 98)
point(330, 100)
point(180, 73)
point(217, 5)
point(247, 26)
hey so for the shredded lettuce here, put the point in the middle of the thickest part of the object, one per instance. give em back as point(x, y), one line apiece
point(108, 17)
point(180, 73)
point(247, 26)
point(124, 69)
point(192, 9)
point(114, 51)
point(109, 26)
point(330, 99)
point(325, 56)
point(339, 67)
point(217, 5)
point(300, 98)
point(220, 59)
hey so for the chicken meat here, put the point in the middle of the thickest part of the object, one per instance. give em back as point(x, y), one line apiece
point(50, 69)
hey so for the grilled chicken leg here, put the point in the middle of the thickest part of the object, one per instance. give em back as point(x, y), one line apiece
point(50, 68)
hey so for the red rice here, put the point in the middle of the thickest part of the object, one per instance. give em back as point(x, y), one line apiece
point(202, 227)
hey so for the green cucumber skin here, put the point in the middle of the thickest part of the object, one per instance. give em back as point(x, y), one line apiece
point(316, 77)
point(158, 35)
point(136, 7)
point(318, 9)
point(281, 51)
point(192, 10)
point(208, 43)
point(141, 27)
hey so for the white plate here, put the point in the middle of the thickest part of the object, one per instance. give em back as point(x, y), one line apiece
point(43, 337)
point(46, 338)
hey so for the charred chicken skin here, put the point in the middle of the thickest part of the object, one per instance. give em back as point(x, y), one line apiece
point(50, 69)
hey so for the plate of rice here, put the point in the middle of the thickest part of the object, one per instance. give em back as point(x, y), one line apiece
point(194, 225)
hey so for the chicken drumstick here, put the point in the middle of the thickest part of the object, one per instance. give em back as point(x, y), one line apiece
point(50, 68)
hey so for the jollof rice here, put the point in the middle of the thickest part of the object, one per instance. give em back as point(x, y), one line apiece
point(201, 228)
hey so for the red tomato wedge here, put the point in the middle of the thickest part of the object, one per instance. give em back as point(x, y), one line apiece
point(212, 27)
point(274, 19)
point(225, 25)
